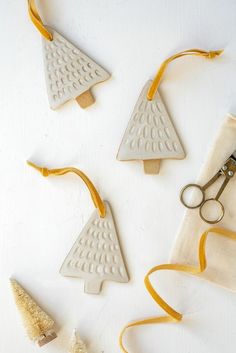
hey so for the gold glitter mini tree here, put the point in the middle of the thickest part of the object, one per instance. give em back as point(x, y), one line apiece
point(38, 324)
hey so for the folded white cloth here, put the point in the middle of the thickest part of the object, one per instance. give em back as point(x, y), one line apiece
point(221, 252)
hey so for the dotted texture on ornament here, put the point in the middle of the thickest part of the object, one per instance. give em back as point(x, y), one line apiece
point(96, 255)
point(150, 133)
point(69, 72)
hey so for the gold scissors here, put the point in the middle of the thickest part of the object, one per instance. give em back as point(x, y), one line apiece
point(227, 170)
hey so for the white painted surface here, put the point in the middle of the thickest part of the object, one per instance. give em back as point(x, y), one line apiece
point(41, 218)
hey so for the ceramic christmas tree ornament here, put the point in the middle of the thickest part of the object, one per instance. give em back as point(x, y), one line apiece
point(150, 135)
point(70, 74)
point(96, 254)
point(39, 325)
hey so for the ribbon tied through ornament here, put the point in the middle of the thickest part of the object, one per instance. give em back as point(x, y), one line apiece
point(70, 73)
point(96, 255)
point(150, 135)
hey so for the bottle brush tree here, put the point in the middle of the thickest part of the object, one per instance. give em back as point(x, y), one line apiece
point(39, 325)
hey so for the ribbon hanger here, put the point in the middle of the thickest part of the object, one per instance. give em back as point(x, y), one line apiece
point(96, 255)
point(151, 135)
point(69, 72)
point(98, 203)
point(37, 21)
point(197, 52)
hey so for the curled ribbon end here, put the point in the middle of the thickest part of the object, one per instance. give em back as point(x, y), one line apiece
point(43, 171)
point(179, 317)
point(199, 52)
point(214, 53)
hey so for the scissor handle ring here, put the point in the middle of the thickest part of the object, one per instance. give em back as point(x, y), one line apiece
point(214, 220)
point(196, 186)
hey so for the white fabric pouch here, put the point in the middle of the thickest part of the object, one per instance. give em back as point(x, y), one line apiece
point(221, 251)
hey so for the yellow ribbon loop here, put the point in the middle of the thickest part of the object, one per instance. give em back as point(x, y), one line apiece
point(99, 204)
point(173, 315)
point(36, 19)
point(197, 52)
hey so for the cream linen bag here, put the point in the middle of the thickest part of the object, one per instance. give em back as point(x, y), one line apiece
point(221, 251)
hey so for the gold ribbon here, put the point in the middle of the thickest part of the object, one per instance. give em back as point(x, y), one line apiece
point(173, 315)
point(98, 203)
point(36, 19)
point(197, 52)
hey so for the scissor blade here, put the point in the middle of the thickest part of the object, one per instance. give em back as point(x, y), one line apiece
point(234, 154)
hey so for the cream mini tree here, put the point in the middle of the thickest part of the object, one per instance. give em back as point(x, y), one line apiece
point(70, 74)
point(39, 325)
point(150, 135)
point(77, 345)
point(96, 254)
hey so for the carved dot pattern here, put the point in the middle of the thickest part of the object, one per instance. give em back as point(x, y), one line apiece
point(149, 126)
point(69, 72)
point(150, 131)
point(97, 252)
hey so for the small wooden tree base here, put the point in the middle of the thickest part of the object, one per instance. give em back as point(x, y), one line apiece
point(151, 166)
point(85, 99)
point(47, 338)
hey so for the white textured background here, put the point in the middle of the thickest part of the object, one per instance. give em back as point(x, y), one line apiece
point(40, 218)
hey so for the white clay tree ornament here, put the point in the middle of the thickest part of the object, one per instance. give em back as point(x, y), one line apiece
point(70, 74)
point(77, 345)
point(150, 135)
point(39, 325)
point(96, 255)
